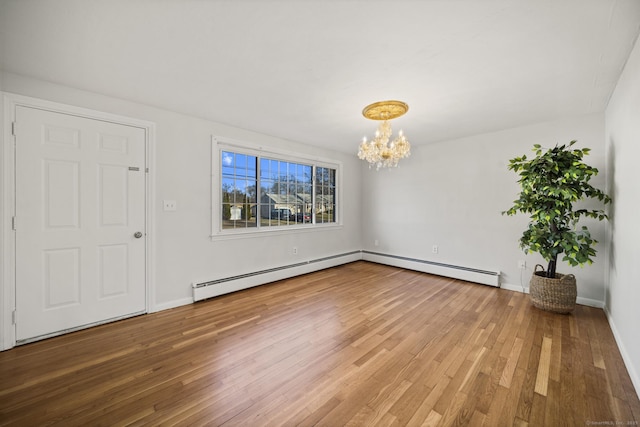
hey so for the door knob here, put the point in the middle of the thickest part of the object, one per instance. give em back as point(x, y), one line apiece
point(138, 234)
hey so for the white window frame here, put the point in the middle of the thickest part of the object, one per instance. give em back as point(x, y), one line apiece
point(220, 144)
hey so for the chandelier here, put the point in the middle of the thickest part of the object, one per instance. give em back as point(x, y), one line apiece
point(380, 151)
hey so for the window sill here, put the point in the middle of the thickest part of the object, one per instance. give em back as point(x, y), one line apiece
point(253, 233)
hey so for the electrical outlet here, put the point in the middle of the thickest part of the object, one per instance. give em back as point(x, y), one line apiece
point(375, 242)
point(434, 249)
point(522, 264)
point(169, 205)
point(295, 250)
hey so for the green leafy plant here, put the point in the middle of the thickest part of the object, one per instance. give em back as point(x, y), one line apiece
point(551, 183)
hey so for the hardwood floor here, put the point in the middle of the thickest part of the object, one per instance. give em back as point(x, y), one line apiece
point(361, 344)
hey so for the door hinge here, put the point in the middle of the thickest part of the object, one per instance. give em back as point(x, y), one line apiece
point(13, 223)
point(14, 316)
point(14, 126)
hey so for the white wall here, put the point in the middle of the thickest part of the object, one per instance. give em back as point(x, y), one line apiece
point(452, 193)
point(623, 152)
point(185, 253)
point(4, 244)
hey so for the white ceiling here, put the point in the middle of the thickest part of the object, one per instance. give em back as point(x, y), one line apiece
point(303, 70)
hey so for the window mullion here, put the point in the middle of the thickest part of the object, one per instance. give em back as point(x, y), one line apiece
point(313, 193)
point(258, 193)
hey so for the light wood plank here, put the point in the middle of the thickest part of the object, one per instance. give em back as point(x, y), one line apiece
point(542, 379)
point(512, 360)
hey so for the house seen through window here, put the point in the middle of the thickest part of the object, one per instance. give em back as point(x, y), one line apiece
point(263, 192)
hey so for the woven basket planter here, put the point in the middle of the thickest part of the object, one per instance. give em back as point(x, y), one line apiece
point(557, 295)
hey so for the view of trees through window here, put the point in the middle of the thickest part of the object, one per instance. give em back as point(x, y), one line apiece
point(267, 192)
point(325, 195)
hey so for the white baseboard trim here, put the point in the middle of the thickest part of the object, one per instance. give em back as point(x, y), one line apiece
point(628, 362)
point(171, 304)
point(514, 288)
point(590, 302)
point(580, 300)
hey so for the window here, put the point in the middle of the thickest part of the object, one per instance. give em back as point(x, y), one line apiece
point(325, 203)
point(264, 192)
point(239, 178)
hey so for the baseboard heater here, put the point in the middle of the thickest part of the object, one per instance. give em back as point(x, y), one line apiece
point(227, 285)
point(485, 277)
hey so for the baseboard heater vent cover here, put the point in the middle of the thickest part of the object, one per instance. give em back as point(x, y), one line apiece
point(230, 284)
point(485, 277)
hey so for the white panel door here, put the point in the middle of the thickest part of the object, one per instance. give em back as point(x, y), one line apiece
point(80, 200)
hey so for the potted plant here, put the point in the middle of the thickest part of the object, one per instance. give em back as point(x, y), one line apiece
point(551, 183)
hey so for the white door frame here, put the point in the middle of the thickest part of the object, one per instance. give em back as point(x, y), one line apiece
point(7, 202)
